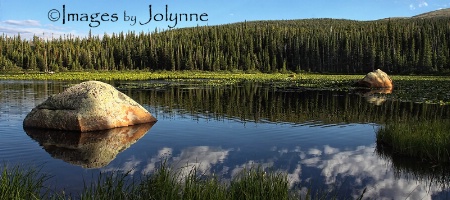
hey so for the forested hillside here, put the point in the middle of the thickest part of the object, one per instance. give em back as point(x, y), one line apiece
point(434, 14)
point(412, 45)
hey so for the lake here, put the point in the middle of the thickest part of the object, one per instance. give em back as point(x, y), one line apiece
point(324, 140)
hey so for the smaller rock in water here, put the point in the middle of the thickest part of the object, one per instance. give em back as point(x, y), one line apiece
point(376, 79)
point(88, 106)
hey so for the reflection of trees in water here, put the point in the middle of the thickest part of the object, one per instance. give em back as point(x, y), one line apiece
point(430, 173)
point(247, 101)
point(23, 95)
point(258, 103)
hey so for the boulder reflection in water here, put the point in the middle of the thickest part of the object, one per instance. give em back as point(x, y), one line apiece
point(94, 149)
point(373, 96)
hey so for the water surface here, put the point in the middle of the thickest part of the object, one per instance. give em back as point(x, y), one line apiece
point(321, 139)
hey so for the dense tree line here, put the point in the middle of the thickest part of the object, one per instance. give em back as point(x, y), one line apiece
point(316, 45)
point(251, 102)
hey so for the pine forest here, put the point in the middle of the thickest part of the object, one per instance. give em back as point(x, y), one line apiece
point(395, 45)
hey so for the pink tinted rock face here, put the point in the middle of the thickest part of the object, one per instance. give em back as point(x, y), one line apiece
point(88, 106)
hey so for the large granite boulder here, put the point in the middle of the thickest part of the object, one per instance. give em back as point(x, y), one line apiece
point(376, 79)
point(88, 106)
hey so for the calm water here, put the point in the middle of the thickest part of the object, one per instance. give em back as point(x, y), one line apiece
point(322, 139)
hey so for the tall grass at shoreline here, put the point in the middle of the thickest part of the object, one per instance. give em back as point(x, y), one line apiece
point(22, 183)
point(423, 140)
point(164, 183)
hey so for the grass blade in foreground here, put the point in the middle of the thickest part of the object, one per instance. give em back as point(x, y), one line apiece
point(19, 183)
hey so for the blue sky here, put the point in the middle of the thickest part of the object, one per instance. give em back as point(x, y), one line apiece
point(31, 17)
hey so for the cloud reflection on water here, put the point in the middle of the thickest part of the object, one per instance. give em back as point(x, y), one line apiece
point(361, 168)
point(355, 169)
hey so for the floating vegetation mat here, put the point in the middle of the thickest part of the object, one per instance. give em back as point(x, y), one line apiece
point(422, 89)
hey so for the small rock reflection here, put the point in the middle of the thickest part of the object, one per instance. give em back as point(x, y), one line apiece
point(376, 96)
point(94, 149)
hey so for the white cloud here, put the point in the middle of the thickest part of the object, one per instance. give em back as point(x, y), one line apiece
point(330, 150)
point(29, 28)
point(369, 171)
point(162, 154)
point(201, 158)
point(418, 4)
point(249, 165)
point(23, 22)
point(423, 4)
point(283, 151)
point(165, 152)
point(127, 167)
point(295, 176)
point(302, 155)
point(315, 152)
